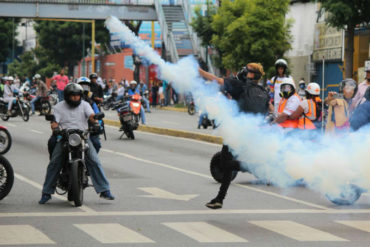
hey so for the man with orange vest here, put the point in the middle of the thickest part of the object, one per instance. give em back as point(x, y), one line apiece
point(308, 111)
point(288, 104)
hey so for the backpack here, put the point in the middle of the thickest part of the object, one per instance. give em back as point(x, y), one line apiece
point(319, 117)
point(254, 99)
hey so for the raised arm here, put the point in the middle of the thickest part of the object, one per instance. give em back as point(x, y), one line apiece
point(211, 77)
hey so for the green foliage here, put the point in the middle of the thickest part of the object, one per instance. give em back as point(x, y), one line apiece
point(251, 31)
point(202, 25)
point(6, 36)
point(64, 41)
point(345, 12)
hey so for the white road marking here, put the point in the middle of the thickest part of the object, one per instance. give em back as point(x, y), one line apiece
point(163, 194)
point(11, 125)
point(36, 131)
point(209, 177)
point(22, 235)
point(204, 232)
point(113, 233)
point(39, 186)
point(187, 212)
point(363, 225)
point(171, 137)
point(296, 231)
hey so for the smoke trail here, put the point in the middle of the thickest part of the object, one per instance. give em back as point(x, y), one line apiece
point(326, 164)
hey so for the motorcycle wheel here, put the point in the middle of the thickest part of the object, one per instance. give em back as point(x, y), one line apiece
point(191, 109)
point(5, 117)
point(26, 115)
point(106, 106)
point(53, 100)
point(6, 177)
point(132, 136)
point(45, 107)
point(76, 184)
point(215, 168)
point(349, 195)
point(5, 141)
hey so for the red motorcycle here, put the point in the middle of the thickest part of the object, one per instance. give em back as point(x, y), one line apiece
point(129, 114)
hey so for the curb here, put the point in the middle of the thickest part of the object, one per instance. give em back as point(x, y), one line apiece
point(171, 132)
point(169, 108)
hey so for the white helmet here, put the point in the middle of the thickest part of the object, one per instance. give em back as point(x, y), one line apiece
point(289, 81)
point(10, 78)
point(281, 63)
point(313, 88)
point(133, 82)
point(37, 76)
point(367, 69)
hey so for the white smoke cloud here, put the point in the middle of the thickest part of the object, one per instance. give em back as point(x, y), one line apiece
point(326, 163)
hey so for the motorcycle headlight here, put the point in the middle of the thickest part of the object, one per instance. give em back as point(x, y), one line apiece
point(74, 140)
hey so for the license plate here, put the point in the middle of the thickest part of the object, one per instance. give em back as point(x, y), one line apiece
point(127, 118)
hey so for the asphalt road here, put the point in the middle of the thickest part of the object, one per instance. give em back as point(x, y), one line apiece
point(161, 185)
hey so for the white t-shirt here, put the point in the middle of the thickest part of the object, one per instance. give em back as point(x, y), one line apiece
point(304, 105)
point(73, 117)
point(292, 105)
point(121, 91)
point(277, 97)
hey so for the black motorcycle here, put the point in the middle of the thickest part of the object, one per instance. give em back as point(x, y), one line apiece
point(109, 101)
point(6, 170)
point(19, 108)
point(73, 178)
point(42, 105)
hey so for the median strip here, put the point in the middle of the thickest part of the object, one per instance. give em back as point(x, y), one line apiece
point(171, 132)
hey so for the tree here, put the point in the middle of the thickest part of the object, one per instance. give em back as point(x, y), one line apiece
point(249, 31)
point(63, 41)
point(347, 14)
point(7, 27)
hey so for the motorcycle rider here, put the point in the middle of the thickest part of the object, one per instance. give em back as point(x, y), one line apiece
point(41, 92)
point(143, 88)
point(240, 89)
point(85, 84)
point(96, 89)
point(288, 104)
point(73, 113)
point(134, 89)
point(8, 94)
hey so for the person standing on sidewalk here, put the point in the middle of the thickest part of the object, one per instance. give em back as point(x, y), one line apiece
point(251, 98)
point(61, 82)
point(360, 95)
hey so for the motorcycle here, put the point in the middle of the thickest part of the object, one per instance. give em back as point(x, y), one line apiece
point(6, 170)
point(42, 105)
point(6, 177)
point(191, 108)
point(53, 96)
point(73, 178)
point(129, 114)
point(19, 108)
point(108, 101)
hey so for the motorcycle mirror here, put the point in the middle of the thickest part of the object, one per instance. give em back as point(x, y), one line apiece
point(50, 117)
point(99, 115)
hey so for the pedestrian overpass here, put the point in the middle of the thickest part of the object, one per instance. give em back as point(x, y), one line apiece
point(174, 17)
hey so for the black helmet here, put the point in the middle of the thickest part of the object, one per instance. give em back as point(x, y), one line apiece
point(73, 89)
point(93, 75)
point(348, 82)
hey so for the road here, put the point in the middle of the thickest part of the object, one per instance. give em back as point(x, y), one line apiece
point(161, 184)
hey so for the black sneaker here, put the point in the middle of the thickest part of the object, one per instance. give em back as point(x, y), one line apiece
point(107, 195)
point(214, 204)
point(44, 198)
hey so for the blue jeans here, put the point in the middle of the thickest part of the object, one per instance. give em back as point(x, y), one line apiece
point(119, 97)
point(146, 103)
point(95, 139)
point(33, 103)
point(60, 95)
point(93, 164)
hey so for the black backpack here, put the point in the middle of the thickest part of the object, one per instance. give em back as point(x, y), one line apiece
point(254, 99)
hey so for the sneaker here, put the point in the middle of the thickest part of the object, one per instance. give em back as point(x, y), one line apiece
point(44, 198)
point(214, 204)
point(198, 127)
point(32, 113)
point(106, 195)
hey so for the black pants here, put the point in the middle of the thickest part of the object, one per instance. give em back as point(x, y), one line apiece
point(228, 166)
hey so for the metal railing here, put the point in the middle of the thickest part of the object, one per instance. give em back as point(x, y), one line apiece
point(100, 2)
point(168, 38)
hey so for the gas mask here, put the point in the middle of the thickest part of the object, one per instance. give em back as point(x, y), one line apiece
point(286, 91)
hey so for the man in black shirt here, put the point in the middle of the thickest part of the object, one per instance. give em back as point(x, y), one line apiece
point(96, 89)
point(251, 98)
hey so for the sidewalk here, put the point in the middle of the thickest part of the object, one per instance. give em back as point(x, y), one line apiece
point(168, 122)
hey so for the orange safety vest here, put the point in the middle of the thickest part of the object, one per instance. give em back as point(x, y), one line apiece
point(305, 121)
point(289, 123)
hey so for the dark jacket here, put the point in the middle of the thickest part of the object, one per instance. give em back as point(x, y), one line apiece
point(361, 116)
